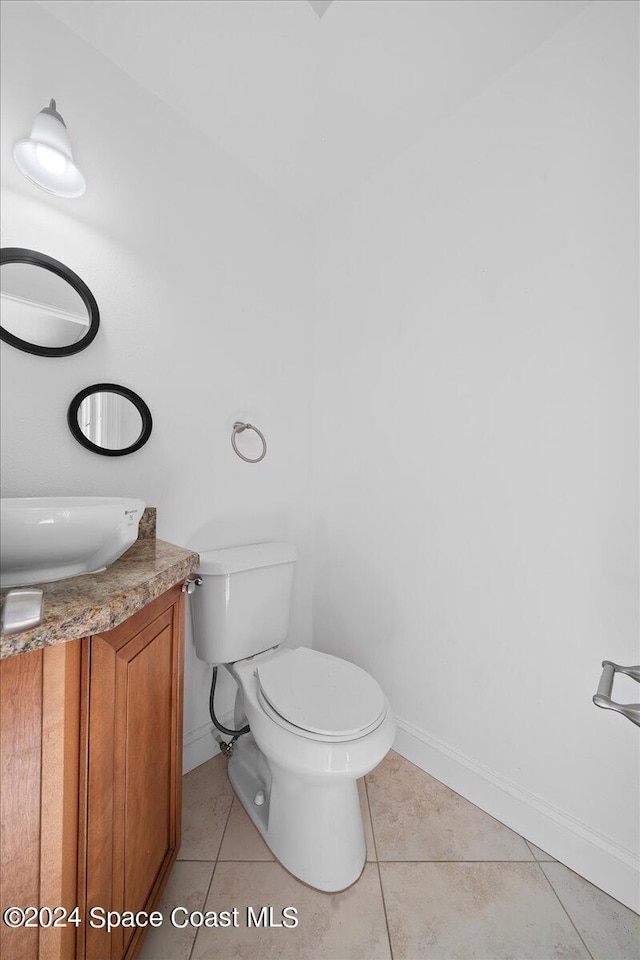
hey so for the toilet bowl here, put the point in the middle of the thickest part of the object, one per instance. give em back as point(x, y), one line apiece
point(317, 723)
point(308, 808)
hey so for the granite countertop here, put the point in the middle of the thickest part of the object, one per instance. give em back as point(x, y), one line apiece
point(96, 602)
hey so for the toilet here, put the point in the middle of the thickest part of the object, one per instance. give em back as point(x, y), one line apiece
point(318, 723)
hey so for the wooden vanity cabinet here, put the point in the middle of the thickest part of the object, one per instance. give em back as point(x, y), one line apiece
point(91, 752)
point(130, 816)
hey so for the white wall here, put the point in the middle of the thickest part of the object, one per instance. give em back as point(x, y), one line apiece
point(476, 442)
point(203, 277)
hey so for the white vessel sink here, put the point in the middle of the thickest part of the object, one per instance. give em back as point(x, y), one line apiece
point(51, 538)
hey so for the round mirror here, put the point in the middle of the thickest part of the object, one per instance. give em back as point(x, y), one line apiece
point(46, 307)
point(109, 419)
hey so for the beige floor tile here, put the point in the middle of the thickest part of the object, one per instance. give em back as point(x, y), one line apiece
point(486, 911)
point(610, 930)
point(366, 820)
point(417, 818)
point(206, 801)
point(540, 854)
point(187, 887)
point(340, 926)
point(241, 839)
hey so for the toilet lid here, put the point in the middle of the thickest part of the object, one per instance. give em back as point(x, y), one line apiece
point(320, 693)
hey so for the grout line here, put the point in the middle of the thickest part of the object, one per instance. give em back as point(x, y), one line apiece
point(194, 860)
point(531, 845)
point(557, 896)
point(226, 824)
point(206, 897)
point(375, 852)
point(373, 833)
point(213, 873)
point(460, 860)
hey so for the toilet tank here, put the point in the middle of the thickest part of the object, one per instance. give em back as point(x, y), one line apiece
point(242, 606)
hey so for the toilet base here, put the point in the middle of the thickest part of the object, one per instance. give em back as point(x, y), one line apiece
point(312, 825)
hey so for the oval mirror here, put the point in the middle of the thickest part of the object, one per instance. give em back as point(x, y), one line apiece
point(46, 308)
point(109, 419)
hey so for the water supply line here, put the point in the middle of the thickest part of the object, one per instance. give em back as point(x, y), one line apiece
point(225, 747)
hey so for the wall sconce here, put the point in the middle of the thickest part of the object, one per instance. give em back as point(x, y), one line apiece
point(46, 158)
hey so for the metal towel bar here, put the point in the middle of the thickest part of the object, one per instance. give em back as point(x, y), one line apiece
point(602, 697)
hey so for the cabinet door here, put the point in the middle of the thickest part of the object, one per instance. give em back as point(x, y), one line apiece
point(39, 769)
point(133, 792)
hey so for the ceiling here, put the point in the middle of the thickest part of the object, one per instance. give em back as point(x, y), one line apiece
point(313, 105)
point(320, 6)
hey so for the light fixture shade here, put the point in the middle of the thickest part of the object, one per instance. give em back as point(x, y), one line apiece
point(46, 157)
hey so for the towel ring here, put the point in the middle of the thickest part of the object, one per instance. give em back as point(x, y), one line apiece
point(240, 427)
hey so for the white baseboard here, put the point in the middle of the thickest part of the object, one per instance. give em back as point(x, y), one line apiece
point(200, 745)
point(594, 856)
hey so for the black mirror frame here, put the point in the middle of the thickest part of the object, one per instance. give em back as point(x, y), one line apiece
point(22, 255)
point(138, 402)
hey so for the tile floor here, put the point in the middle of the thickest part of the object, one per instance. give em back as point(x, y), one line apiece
point(442, 880)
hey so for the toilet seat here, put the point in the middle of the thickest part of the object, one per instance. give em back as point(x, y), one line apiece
point(318, 696)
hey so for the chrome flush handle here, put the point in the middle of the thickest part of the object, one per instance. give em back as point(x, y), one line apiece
point(190, 585)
